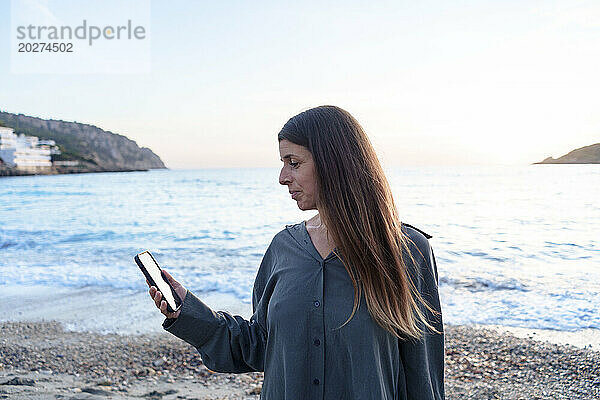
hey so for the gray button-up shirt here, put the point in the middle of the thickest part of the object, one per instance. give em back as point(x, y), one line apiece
point(298, 301)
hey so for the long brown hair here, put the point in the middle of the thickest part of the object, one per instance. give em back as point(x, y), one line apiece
point(355, 202)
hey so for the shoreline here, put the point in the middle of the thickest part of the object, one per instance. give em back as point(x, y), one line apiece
point(42, 360)
point(89, 310)
point(583, 338)
point(12, 172)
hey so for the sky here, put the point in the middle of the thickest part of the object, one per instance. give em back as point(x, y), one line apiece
point(432, 82)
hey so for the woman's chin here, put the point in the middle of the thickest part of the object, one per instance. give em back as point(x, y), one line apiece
point(300, 207)
point(304, 207)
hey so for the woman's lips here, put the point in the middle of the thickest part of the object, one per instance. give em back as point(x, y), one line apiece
point(295, 194)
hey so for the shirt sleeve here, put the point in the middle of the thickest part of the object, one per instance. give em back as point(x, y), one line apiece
point(227, 343)
point(422, 374)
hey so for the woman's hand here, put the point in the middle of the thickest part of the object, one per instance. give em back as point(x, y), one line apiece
point(158, 298)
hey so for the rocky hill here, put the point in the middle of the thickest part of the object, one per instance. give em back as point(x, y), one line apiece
point(584, 155)
point(95, 149)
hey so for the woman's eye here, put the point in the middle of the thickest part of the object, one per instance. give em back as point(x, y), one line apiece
point(293, 164)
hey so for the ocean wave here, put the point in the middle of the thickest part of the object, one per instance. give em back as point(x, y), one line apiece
point(90, 237)
point(237, 283)
point(481, 255)
point(478, 284)
point(21, 239)
point(552, 244)
point(44, 193)
point(192, 238)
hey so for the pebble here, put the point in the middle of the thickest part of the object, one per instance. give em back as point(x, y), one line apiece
point(479, 364)
point(92, 390)
point(19, 382)
point(160, 362)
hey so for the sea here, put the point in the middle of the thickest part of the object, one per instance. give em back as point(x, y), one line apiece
point(515, 246)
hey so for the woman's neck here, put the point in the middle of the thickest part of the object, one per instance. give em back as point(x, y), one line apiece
point(316, 223)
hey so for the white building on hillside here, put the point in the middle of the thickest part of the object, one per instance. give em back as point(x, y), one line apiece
point(25, 152)
point(7, 138)
point(8, 146)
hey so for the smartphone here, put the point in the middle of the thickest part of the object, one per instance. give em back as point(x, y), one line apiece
point(145, 260)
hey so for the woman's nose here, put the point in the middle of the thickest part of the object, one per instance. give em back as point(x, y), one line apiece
point(284, 177)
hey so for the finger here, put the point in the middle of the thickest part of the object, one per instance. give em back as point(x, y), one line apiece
point(169, 277)
point(163, 307)
point(157, 298)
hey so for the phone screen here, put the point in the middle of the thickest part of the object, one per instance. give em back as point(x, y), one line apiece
point(154, 271)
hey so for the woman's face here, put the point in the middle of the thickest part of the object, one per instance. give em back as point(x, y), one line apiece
point(298, 174)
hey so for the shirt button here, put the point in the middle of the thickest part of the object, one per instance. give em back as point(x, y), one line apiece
point(317, 342)
point(317, 304)
point(316, 381)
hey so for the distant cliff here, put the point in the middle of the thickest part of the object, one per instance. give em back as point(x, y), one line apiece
point(95, 149)
point(584, 155)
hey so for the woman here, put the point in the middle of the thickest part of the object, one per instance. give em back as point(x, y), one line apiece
point(345, 305)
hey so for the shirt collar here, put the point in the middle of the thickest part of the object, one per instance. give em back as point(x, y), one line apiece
point(300, 234)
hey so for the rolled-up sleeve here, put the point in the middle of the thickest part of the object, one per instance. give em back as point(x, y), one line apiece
point(227, 343)
point(422, 371)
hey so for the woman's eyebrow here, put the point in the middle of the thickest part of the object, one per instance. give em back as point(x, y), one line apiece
point(288, 156)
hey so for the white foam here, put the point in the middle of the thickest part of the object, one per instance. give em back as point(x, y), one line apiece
point(103, 310)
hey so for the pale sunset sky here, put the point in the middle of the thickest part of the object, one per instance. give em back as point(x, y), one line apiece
point(432, 82)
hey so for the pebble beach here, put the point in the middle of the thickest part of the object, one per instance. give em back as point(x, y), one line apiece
point(41, 360)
